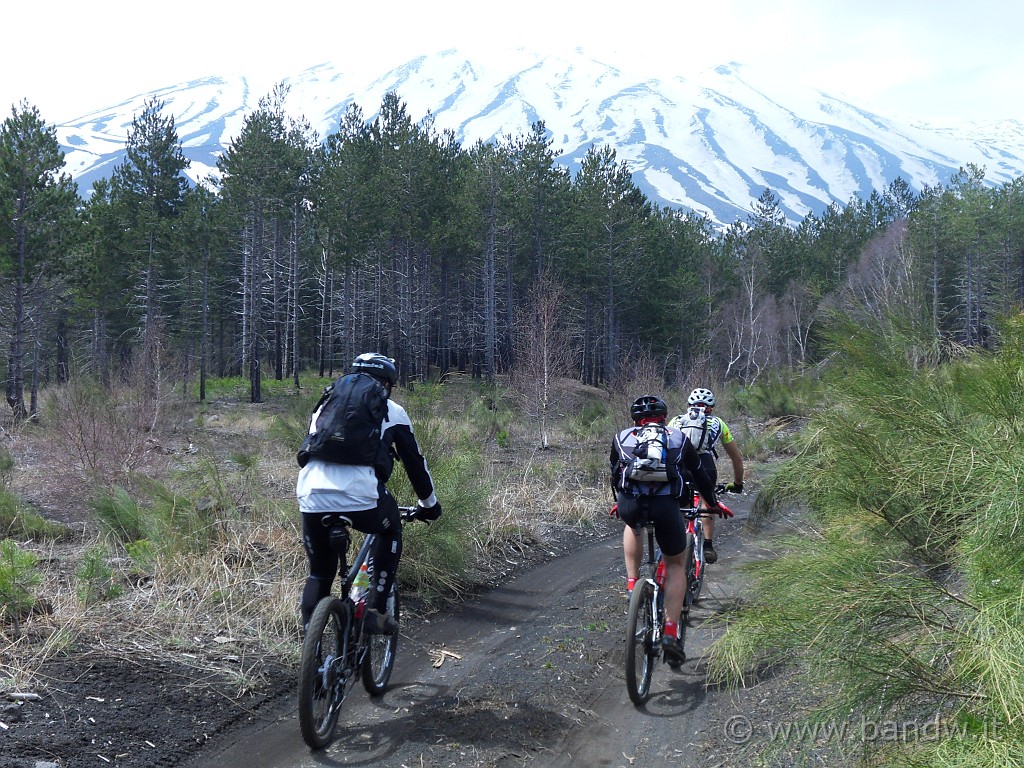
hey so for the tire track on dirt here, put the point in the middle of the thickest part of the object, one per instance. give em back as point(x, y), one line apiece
point(533, 676)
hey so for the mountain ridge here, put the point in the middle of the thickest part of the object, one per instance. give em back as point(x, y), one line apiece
point(709, 142)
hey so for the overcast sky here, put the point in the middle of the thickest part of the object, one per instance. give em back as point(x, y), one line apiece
point(919, 59)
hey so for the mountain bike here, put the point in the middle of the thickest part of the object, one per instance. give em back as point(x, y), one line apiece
point(336, 650)
point(646, 618)
point(644, 622)
point(694, 556)
point(695, 563)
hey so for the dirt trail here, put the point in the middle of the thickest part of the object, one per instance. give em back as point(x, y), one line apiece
point(533, 676)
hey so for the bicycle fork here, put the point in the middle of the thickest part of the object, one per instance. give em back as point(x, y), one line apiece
point(657, 609)
point(698, 549)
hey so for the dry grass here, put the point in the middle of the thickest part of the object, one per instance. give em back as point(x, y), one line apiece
point(235, 595)
point(230, 601)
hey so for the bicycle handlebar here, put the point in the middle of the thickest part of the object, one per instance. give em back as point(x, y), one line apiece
point(692, 512)
point(696, 510)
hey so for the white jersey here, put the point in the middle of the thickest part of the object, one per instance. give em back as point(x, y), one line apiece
point(324, 486)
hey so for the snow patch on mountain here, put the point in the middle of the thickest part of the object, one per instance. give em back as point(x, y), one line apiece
point(710, 142)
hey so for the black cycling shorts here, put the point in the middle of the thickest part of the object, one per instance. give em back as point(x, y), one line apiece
point(663, 511)
point(710, 467)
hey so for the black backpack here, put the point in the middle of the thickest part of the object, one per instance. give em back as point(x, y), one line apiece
point(349, 419)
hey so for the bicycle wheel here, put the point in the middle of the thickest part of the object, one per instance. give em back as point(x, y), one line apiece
point(322, 674)
point(379, 659)
point(640, 648)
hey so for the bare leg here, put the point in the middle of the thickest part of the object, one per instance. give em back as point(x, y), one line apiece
point(632, 550)
point(675, 586)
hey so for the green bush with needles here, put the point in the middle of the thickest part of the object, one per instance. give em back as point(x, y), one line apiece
point(902, 599)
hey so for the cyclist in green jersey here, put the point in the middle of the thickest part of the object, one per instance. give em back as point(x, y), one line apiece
point(717, 430)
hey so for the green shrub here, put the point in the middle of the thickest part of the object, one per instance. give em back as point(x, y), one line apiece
point(121, 515)
point(437, 557)
point(289, 428)
point(96, 579)
point(246, 458)
point(172, 521)
point(18, 579)
point(595, 422)
point(18, 521)
point(775, 396)
point(902, 600)
point(6, 468)
point(143, 554)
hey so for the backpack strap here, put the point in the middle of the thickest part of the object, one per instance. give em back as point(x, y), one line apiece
point(323, 396)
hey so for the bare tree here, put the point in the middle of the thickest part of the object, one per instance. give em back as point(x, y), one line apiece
point(545, 350)
point(799, 314)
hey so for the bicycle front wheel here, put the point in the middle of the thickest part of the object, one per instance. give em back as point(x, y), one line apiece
point(694, 576)
point(379, 659)
point(322, 673)
point(640, 639)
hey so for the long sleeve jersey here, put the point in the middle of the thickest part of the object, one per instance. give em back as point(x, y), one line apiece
point(324, 486)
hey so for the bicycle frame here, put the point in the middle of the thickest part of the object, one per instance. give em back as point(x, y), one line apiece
point(362, 556)
point(695, 530)
point(695, 563)
point(654, 564)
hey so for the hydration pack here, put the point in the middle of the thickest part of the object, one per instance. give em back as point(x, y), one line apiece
point(694, 424)
point(347, 423)
point(646, 459)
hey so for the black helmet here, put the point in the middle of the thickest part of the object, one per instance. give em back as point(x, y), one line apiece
point(377, 365)
point(648, 407)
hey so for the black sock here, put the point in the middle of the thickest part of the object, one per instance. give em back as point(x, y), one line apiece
point(707, 543)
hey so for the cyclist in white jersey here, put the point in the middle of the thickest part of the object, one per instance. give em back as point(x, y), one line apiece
point(717, 430)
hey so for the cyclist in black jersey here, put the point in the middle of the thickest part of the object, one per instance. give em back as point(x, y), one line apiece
point(326, 488)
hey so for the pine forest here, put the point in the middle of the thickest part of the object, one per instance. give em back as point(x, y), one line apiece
point(489, 260)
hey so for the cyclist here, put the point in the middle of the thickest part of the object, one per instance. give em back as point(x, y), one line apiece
point(704, 399)
point(359, 493)
point(658, 502)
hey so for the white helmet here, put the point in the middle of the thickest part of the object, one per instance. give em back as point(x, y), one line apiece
point(701, 396)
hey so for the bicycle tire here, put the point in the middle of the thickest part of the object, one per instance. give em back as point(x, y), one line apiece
point(321, 674)
point(379, 659)
point(640, 637)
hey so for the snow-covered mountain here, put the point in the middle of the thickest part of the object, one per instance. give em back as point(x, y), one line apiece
point(709, 142)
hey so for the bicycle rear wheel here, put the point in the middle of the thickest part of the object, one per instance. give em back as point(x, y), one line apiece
point(322, 674)
point(379, 659)
point(640, 649)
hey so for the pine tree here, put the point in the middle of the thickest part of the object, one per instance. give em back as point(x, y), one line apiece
point(37, 207)
point(266, 172)
point(148, 190)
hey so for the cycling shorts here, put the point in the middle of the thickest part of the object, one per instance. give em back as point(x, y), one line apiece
point(663, 511)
